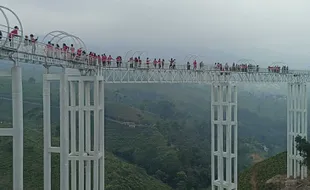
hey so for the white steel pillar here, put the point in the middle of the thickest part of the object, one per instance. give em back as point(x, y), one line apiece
point(18, 131)
point(85, 132)
point(224, 136)
point(64, 132)
point(296, 125)
point(48, 149)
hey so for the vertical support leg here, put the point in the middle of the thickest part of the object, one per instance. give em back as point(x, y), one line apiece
point(100, 128)
point(224, 136)
point(88, 133)
point(64, 133)
point(81, 133)
point(296, 125)
point(47, 133)
point(73, 133)
point(18, 136)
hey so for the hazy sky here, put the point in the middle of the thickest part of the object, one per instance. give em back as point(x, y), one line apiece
point(263, 30)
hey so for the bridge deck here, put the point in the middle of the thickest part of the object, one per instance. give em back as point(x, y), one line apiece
point(124, 74)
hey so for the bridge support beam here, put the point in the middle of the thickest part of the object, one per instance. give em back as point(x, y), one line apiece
point(81, 132)
point(224, 136)
point(296, 125)
point(18, 128)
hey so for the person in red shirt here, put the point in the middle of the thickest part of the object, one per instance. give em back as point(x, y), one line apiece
point(155, 62)
point(118, 61)
point(33, 42)
point(49, 49)
point(78, 54)
point(12, 34)
point(195, 64)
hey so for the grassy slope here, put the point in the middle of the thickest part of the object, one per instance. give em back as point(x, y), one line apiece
point(261, 172)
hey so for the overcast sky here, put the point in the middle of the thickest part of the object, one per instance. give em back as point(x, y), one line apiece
point(263, 30)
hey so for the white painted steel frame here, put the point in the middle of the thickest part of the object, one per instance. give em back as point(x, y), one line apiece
point(17, 131)
point(296, 125)
point(82, 132)
point(224, 136)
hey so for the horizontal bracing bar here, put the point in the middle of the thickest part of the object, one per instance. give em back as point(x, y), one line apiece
point(54, 150)
point(51, 77)
point(6, 132)
point(5, 74)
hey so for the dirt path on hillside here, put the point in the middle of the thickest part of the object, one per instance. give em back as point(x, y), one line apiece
point(256, 158)
point(253, 180)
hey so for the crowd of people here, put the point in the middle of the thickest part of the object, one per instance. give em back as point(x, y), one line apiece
point(79, 55)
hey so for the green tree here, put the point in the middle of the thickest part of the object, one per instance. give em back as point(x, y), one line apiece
point(31, 80)
point(303, 146)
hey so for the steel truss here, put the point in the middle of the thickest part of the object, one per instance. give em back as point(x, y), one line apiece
point(296, 126)
point(120, 75)
point(82, 132)
point(224, 136)
point(151, 75)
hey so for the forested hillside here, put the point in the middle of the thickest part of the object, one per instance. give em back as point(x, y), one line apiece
point(169, 146)
point(257, 176)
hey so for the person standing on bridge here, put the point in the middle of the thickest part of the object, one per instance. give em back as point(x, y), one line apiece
point(57, 51)
point(104, 59)
point(136, 62)
point(64, 51)
point(148, 63)
point(26, 41)
point(155, 63)
point(140, 62)
point(109, 60)
point(12, 34)
point(118, 61)
point(195, 64)
point(79, 54)
point(201, 65)
point(49, 49)
point(72, 51)
point(33, 43)
point(130, 62)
